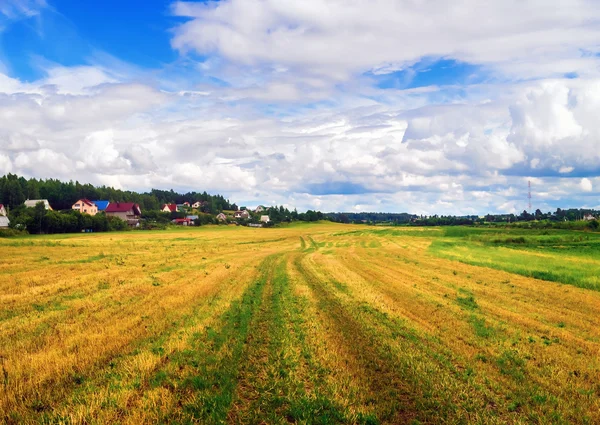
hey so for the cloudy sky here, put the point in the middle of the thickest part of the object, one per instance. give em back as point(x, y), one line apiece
point(446, 107)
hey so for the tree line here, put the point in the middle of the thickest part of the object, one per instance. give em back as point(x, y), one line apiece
point(14, 190)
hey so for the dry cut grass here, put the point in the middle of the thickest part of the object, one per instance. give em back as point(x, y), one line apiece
point(313, 324)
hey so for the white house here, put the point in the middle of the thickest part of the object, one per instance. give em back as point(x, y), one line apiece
point(2, 211)
point(241, 214)
point(264, 218)
point(31, 203)
point(4, 222)
point(169, 208)
point(221, 217)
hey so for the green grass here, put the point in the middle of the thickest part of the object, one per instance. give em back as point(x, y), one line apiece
point(569, 257)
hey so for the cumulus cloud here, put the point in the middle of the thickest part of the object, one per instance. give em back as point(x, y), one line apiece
point(586, 185)
point(461, 158)
point(338, 38)
point(285, 108)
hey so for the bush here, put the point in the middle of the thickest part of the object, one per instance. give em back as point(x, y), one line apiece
point(10, 233)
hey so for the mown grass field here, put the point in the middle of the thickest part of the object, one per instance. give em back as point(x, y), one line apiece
point(313, 324)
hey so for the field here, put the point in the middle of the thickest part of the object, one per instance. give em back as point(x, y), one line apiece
point(314, 324)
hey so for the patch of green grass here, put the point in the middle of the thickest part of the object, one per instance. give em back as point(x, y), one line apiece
point(480, 328)
point(511, 364)
point(581, 268)
point(214, 365)
point(468, 302)
point(103, 284)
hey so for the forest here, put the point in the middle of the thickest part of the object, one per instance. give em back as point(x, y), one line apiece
point(14, 190)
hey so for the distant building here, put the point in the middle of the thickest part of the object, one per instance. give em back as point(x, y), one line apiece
point(255, 225)
point(221, 217)
point(126, 211)
point(169, 208)
point(3, 212)
point(4, 222)
point(85, 206)
point(192, 217)
point(260, 208)
point(265, 218)
point(31, 203)
point(183, 222)
point(101, 205)
point(241, 214)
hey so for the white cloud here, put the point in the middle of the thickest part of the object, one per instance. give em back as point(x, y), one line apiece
point(565, 169)
point(5, 164)
point(586, 185)
point(18, 9)
point(298, 122)
point(338, 38)
point(431, 159)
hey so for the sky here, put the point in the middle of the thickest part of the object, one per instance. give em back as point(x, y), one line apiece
point(427, 107)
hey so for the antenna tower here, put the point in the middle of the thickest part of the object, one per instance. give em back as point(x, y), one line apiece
point(529, 195)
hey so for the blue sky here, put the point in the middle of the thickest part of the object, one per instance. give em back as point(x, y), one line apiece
point(383, 105)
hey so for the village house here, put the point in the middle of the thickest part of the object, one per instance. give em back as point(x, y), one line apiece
point(31, 203)
point(589, 217)
point(169, 208)
point(85, 206)
point(241, 214)
point(186, 204)
point(183, 221)
point(4, 222)
point(126, 211)
point(198, 204)
point(221, 217)
point(101, 205)
point(260, 208)
point(3, 211)
point(264, 218)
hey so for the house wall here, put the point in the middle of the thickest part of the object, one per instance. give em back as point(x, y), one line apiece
point(122, 215)
point(31, 203)
point(85, 208)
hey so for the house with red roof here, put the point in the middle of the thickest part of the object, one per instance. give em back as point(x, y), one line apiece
point(183, 221)
point(169, 208)
point(85, 206)
point(2, 211)
point(126, 211)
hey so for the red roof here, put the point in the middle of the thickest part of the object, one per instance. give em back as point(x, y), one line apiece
point(183, 220)
point(87, 201)
point(114, 207)
point(1, 206)
point(171, 207)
